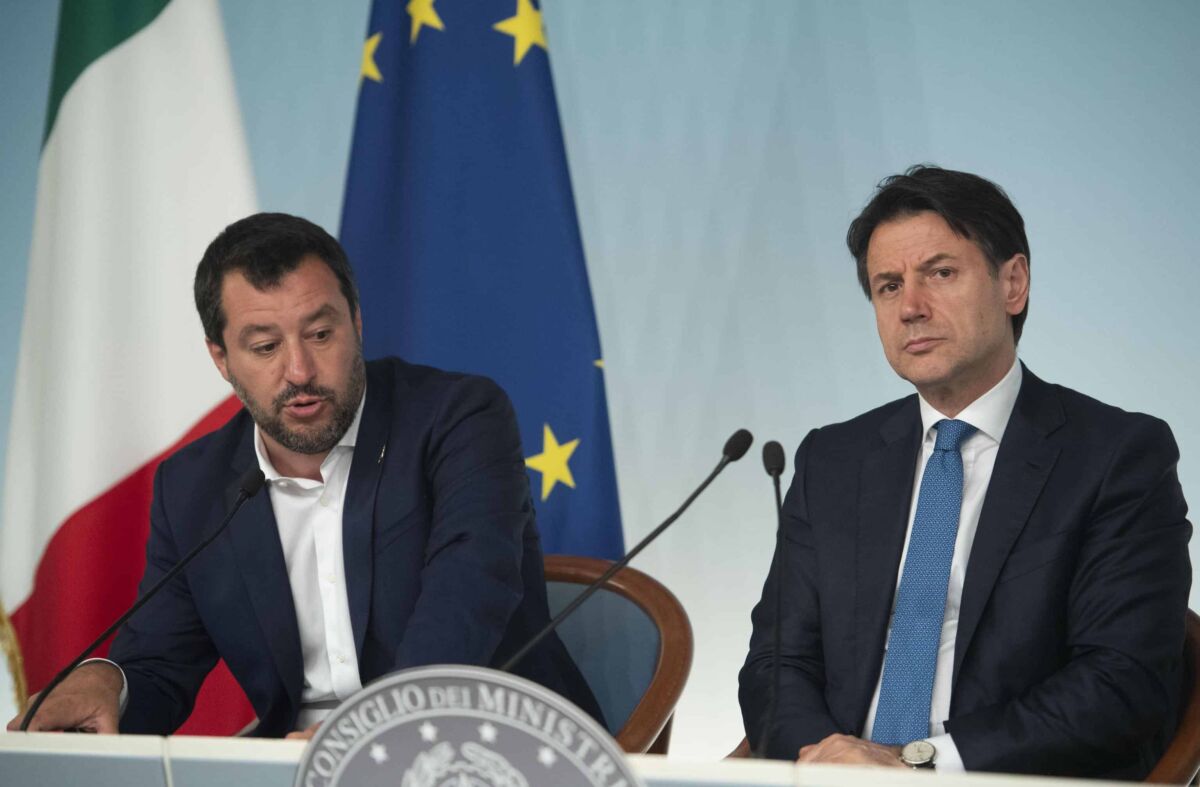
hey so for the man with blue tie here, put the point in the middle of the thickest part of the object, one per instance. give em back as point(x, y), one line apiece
point(991, 574)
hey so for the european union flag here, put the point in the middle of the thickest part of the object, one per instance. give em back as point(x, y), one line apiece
point(461, 226)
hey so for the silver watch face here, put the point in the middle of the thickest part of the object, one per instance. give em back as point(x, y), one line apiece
point(918, 754)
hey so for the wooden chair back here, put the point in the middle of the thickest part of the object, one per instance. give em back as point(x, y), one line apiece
point(1181, 761)
point(647, 729)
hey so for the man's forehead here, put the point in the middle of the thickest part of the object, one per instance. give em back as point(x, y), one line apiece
point(912, 240)
point(264, 319)
point(310, 291)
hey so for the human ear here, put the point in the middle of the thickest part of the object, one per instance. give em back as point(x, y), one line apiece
point(219, 357)
point(1014, 275)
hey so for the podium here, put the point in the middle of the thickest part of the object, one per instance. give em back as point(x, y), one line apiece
point(64, 760)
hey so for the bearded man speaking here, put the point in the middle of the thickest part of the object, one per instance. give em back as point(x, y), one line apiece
point(397, 530)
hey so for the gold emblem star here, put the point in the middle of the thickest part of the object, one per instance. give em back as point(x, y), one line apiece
point(369, 69)
point(423, 13)
point(525, 28)
point(552, 462)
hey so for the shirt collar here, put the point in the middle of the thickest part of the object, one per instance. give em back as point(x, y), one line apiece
point(989, 413)
point(348, 440)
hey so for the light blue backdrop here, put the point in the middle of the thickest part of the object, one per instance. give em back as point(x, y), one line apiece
point(718, 151)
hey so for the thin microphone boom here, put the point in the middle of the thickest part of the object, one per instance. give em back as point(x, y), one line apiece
point(735, 448)
point(773, 462)
point(248, 486)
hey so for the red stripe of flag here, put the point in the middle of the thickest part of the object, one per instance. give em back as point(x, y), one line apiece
point(89, 574)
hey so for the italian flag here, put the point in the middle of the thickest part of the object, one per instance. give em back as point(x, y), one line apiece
point(143, 163)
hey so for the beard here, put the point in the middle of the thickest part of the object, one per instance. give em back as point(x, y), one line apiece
point(322, 437)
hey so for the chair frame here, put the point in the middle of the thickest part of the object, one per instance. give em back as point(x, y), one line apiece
point(1181, 761)
point(648, 728)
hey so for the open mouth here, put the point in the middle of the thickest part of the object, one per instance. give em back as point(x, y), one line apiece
point(304, 407)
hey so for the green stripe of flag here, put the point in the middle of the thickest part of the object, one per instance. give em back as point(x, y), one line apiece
point(87, 29)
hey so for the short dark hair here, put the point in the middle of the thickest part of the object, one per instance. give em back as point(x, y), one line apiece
point(264, 247)
point(974, 207)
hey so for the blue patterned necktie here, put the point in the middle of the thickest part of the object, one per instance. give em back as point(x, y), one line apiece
point(902, 714)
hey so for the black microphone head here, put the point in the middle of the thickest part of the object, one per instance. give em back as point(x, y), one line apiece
point(251, 481)
point(773, 459)
point(737, 445)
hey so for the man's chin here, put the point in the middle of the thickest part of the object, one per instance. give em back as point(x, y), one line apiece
point(305, 426)
point(314, 440)
point(922, 372)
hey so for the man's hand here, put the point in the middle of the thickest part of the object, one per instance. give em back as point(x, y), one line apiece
point(304, 734)
point(848, 750)
point(88, 700)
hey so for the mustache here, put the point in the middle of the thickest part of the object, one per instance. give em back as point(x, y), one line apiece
point(308, 389)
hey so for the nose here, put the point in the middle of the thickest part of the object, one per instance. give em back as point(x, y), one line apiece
point(299, 368)
point(913, 305)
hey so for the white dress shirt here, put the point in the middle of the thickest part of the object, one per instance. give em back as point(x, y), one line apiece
point(989, 415)
point(309, 517)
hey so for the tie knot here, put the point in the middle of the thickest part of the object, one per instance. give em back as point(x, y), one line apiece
point(950, 434)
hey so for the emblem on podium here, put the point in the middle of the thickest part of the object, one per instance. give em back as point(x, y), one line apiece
point(457, 726)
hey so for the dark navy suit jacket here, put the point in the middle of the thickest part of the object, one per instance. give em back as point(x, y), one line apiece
point(442, 558)
point(1068, 654)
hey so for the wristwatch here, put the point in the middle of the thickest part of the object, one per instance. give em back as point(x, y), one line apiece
point(919, 754)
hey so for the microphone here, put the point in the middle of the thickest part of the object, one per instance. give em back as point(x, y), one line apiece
point(774, 462)
point(735, 448)
point(248, 486)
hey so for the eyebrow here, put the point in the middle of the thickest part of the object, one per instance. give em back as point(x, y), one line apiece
point(934, 260)
point(325, 311)
point(889, 276)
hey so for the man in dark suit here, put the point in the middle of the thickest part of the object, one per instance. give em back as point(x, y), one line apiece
point(991, 574)
point(396, 530)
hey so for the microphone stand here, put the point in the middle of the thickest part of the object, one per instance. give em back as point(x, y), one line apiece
point(249, 485)
point(773, 462)
point(735, 448)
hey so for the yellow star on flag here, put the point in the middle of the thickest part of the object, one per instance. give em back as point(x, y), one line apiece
point(369, 69)
point(552, 462)
point(525, 28)
point(423, 13)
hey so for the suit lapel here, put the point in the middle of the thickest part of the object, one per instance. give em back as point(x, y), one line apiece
point(1023, 463)
point(254, 537)
point(885, 493)
point(359, 509)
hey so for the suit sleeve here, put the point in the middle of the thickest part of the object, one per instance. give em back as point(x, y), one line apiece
point(1124, 629)
point(803, 716)
point(471, 578)
point(164, 649)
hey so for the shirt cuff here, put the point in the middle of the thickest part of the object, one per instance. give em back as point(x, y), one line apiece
point(948, 759)
point(125, 686)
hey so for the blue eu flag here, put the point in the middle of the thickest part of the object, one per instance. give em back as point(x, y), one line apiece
point(461, 226)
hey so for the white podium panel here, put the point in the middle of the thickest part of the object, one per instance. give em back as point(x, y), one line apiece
point(244, 762)
point(658, 771)
point(61, 760)
point(47, 759)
